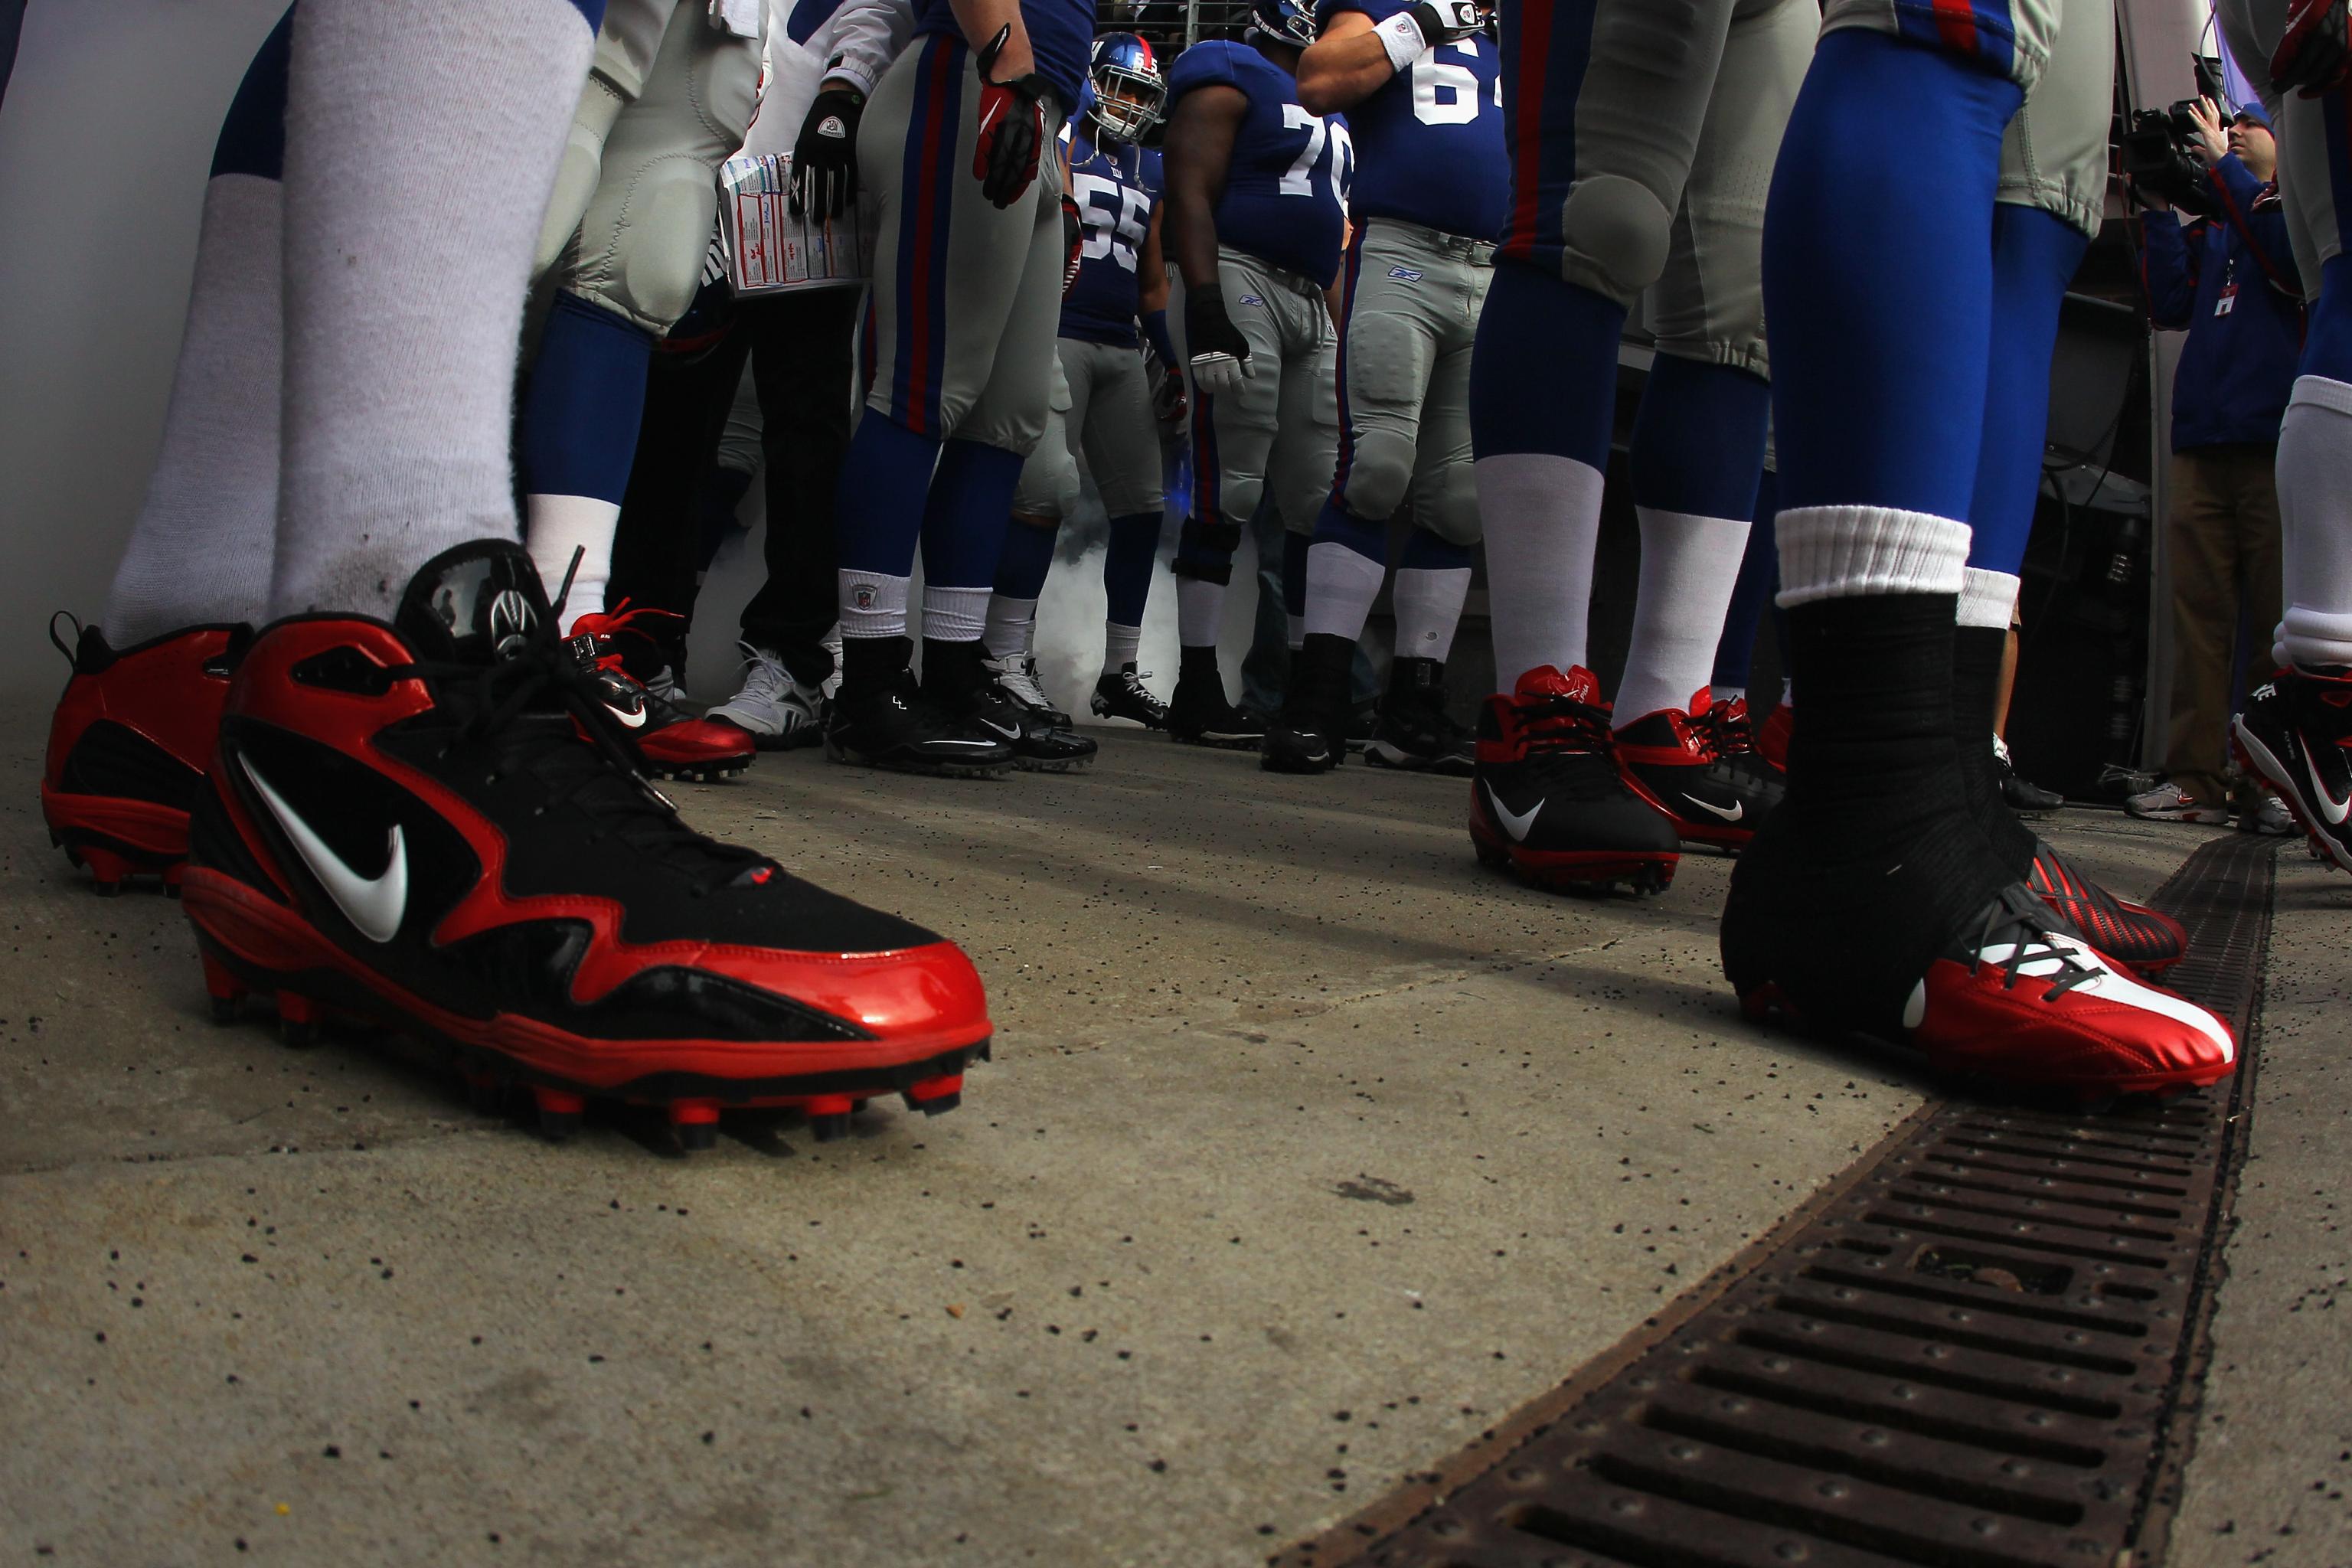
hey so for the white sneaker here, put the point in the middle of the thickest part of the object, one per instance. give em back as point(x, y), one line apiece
point(2270, 817)
point(777, 711)
point(665, 686)
point(832, 642)
point(2168, 801)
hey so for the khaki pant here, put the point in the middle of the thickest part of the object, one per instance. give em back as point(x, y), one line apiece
point(2222, 543)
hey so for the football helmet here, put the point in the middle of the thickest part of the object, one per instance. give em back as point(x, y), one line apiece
point(1285, 21)
point(1127, 87)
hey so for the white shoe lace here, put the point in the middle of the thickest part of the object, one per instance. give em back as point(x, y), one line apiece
point(769, 692)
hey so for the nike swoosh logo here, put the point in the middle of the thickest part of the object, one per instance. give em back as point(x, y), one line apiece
point(1734, 815)
point(373, 904)
point(1011, 734)
point(2335, 810)
point(1516, 824)
point(634, 720)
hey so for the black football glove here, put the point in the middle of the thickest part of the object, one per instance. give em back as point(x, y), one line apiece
point(2311, 49)
point(1012, 128)
point(1448, 21)
point(825, 160)
point(1219, 353)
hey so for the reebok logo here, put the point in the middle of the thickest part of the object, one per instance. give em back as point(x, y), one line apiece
point(1404, 274)
point(373, 905)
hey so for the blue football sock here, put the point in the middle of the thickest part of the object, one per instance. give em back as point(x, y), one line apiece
point(1878, 340)
point(2034, 257)
point(878, 505)
point(586, 399)
point(968, 513)
point(1534, 331)
point(1698, 440)
point(1023, 563)
point(1127, 565)
point(1760, 577)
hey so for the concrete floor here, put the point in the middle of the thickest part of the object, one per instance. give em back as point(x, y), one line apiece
point(1309, 1150)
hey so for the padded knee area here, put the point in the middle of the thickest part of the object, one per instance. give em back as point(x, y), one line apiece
point(1617, 232)
point(1378, 469)
point(1451, 513)
point(656, 264)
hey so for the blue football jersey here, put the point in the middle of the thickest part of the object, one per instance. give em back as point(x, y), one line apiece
point(1285, 192)
point(1116, 186)
point(1431, 137)
point(1061, 35)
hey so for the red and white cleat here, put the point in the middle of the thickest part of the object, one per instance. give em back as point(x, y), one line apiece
point(2145, 940)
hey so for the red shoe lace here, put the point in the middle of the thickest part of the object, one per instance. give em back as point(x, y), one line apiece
point(602, 627)
point(1564, 724)
point(1725, 729)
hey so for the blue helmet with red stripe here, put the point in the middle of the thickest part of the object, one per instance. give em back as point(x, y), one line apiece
point(1285, 21)
point(1127, 87)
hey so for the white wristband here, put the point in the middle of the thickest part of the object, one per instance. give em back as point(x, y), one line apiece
point(1400, 35)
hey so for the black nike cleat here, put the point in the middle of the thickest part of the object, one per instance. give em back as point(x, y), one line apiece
point(1310, 734)
point(1415, 730)
point(1712, 797)
point(437, 824)
point(1121, 694)
point(958, 680)
point(1199, 713)
point(1549, 801)
point(881, 719)
point(2296, 733)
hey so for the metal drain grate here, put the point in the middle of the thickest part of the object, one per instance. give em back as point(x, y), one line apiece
point(1966, 1356)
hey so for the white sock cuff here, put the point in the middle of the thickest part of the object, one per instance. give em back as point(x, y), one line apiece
point(872, 604)
point(2321, 392)
point(1853, 551)
point(1986, 598)
point(1120, 646)
point(2315, 639)
point(955, 615)
point(1428, 603)
point(1340, 587)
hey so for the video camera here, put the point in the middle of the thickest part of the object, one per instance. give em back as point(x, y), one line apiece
point(2157, 147)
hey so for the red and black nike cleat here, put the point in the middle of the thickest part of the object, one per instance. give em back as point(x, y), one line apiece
point(1547, 799)
point(128, 749)
point(2296, 734)
point(1712, 796)
point(437, 824)
point(673, 742)
point(2145, 940)
point(2007, 995)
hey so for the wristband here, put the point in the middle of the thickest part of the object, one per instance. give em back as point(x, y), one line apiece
point(1401, 37)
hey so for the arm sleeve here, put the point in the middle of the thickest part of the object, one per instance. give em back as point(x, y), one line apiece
point(863, 37)
point(2167, 271)
point(2262, 226)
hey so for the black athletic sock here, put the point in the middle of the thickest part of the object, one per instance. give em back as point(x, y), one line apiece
point(868, 662)
point(952, 670)
point(1199, 664)
point(1976, 692)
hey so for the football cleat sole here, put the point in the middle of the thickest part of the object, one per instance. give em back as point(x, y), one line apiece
point(1219, 740)
point(836, 751)
point(254, 949)
point(116, 839)
point(1583, 871)
point(2258, 759)
point(1382, 754)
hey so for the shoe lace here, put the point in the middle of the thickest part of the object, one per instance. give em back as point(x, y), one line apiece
point(542, 708)
point(764, 677)
point(2020, 936)
point(1724, 729)
point(1564, 724)
point(1017, 676)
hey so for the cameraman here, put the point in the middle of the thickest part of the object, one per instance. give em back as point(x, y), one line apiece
point(2230, 280)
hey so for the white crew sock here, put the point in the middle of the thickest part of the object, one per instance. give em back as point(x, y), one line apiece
point(955, 615)
point(1854, 552)
point(2315, 492)
point(1986, 598)
point(1200, 607)
point(1121, 646)
point(201, 549)
point(422, 138)
point(1542, 517)
point(1689, 566)
point(1011, 628)
point(1340, 587)
point(1428, 604)
point(872, 604)
point(557, 527)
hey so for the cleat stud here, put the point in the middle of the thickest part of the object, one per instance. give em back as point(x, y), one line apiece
point(696, 1122)
point(940, 1105)
point(558, 1112)
point(829, 1126)
point(172, 876)
point(927, 1094)
point(226, 990)
point(485, 1094)
point(108, 889)
point(297, 1020)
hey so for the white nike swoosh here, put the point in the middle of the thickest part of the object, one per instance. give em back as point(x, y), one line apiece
point(634, 720)
point(1734, 815)
point(373, 904)
point(2336, 811)
point(1514, 824)
point(991, 724)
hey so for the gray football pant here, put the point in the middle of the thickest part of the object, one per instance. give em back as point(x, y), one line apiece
point(1280, 433)
point(966, 295)
point(668, 100)
point(1412, 298)
point(1101, 407)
